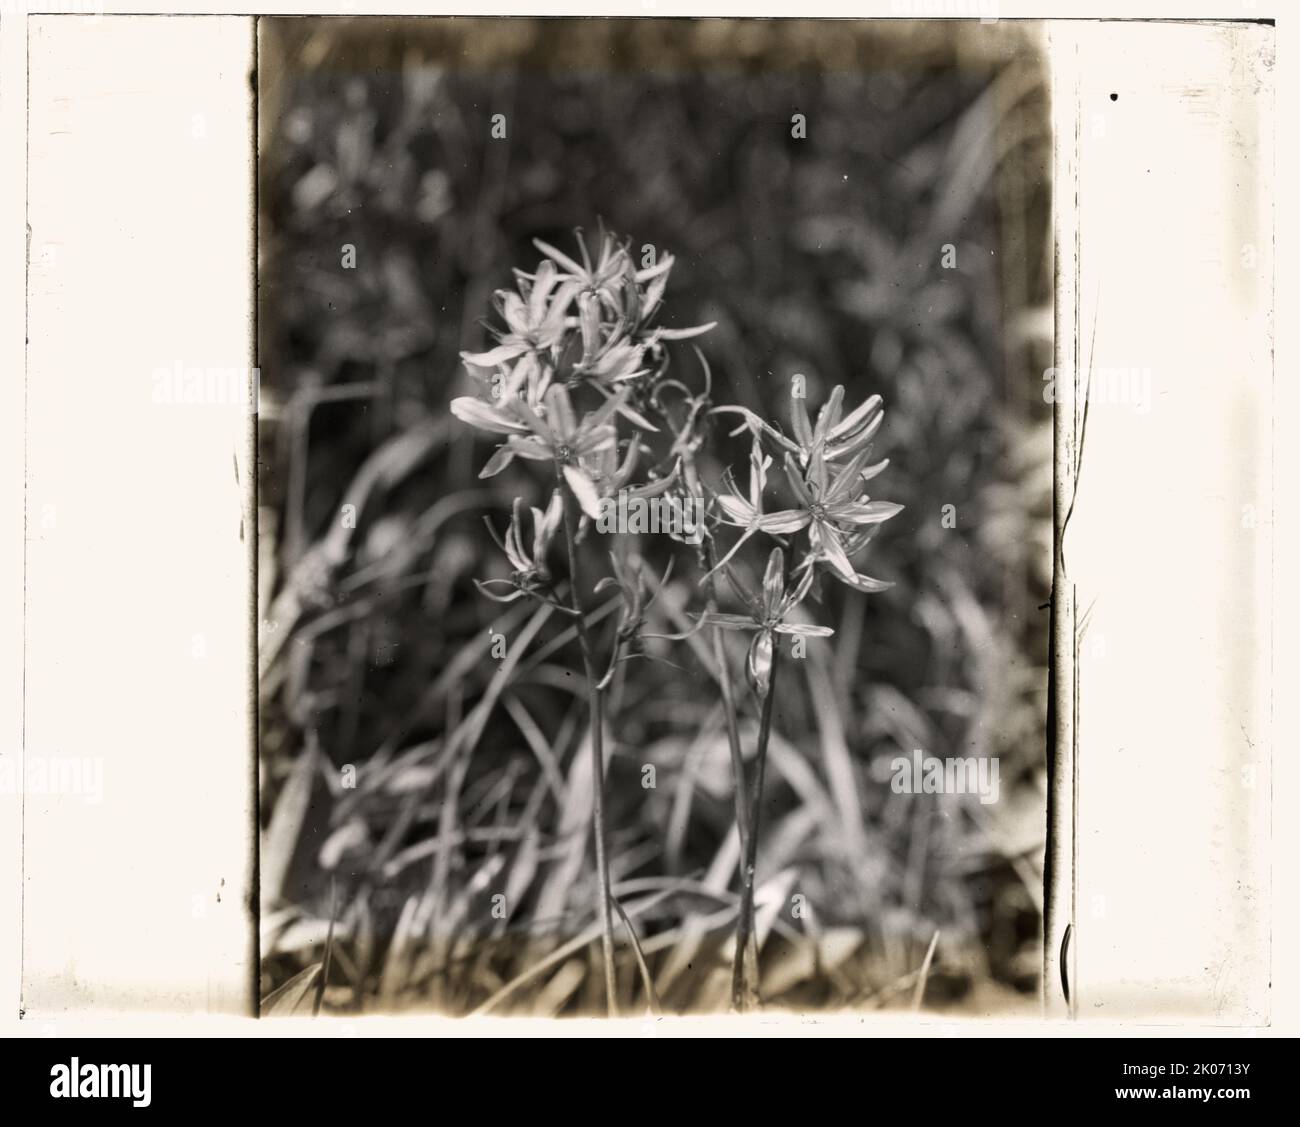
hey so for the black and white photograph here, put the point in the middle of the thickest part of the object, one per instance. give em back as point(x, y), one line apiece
point(655, 527)
point(606, 522)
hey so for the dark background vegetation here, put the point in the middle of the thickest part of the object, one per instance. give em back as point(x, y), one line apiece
point(402, 786)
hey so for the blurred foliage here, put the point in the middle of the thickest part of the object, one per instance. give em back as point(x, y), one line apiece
point(407, 776)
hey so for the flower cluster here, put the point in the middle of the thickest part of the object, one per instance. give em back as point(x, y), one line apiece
point(579, 379)
point(572, 330)
point(830, 504)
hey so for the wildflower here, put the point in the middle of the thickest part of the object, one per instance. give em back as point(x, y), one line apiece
point(636, 304)
point(535, 318)
point(610, 359)
point(530, 573)
point(611, 477)
point(836, 437)
point(554, 434)
point(602, 279)
point(853, 542)
point(505, 419)
point(631, 297)
point(832, 436)
point(627, 578)
point(768, 616)
point(828, 503)
point(747, 512)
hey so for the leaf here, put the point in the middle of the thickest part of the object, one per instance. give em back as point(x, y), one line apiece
point(294, 998)
point(556, 994)
point(351, 835)
point(923, 974)
point(319, 995)
point(590, 935)
point(647, 980)
point(281, 841)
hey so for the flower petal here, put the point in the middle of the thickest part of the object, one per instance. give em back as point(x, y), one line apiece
point(661, 267)
point(871, 586)
point(559, 413)
point(501, 458)
point(784, 522)
point(505, 351)
point(482, 585)
point(652, 489)
point(858, 417)
point(833, 550)
point(740, 512)
point(855, 442)
point(873, 512)
point(479, 414)
point(589, 325)
point(684, 334)
point(559, 256)
point(807, 629)
point(828, 416)
point(799, 421)
point(584, 490)
point(758, 663)
point(515, 313)
point(639, 419)
point(773, 583)
point(795, 476)
point(543, 282)
point(847, 477)
point(531, 447)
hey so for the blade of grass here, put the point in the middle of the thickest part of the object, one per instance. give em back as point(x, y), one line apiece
point(652, 999)
point(291, 998)
point(329, 948)
point(924, 973)
point(563, 952)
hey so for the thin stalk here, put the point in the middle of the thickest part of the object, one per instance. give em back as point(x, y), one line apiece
point(709, 561)
point(596, 712)
point(742, 990)
point(728, 698)
point(733, 725)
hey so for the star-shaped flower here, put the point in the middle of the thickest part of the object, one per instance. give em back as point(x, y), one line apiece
point(551, 433)
point(536, 317)
point(835, 437)
point(836, 512)
point(747, 511)
point(768, 616)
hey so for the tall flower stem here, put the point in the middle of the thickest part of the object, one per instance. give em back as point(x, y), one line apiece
point(743, 990)
point(596, 712)
point(733, 726)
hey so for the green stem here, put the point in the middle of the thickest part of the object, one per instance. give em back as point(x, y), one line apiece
point(596, 712)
